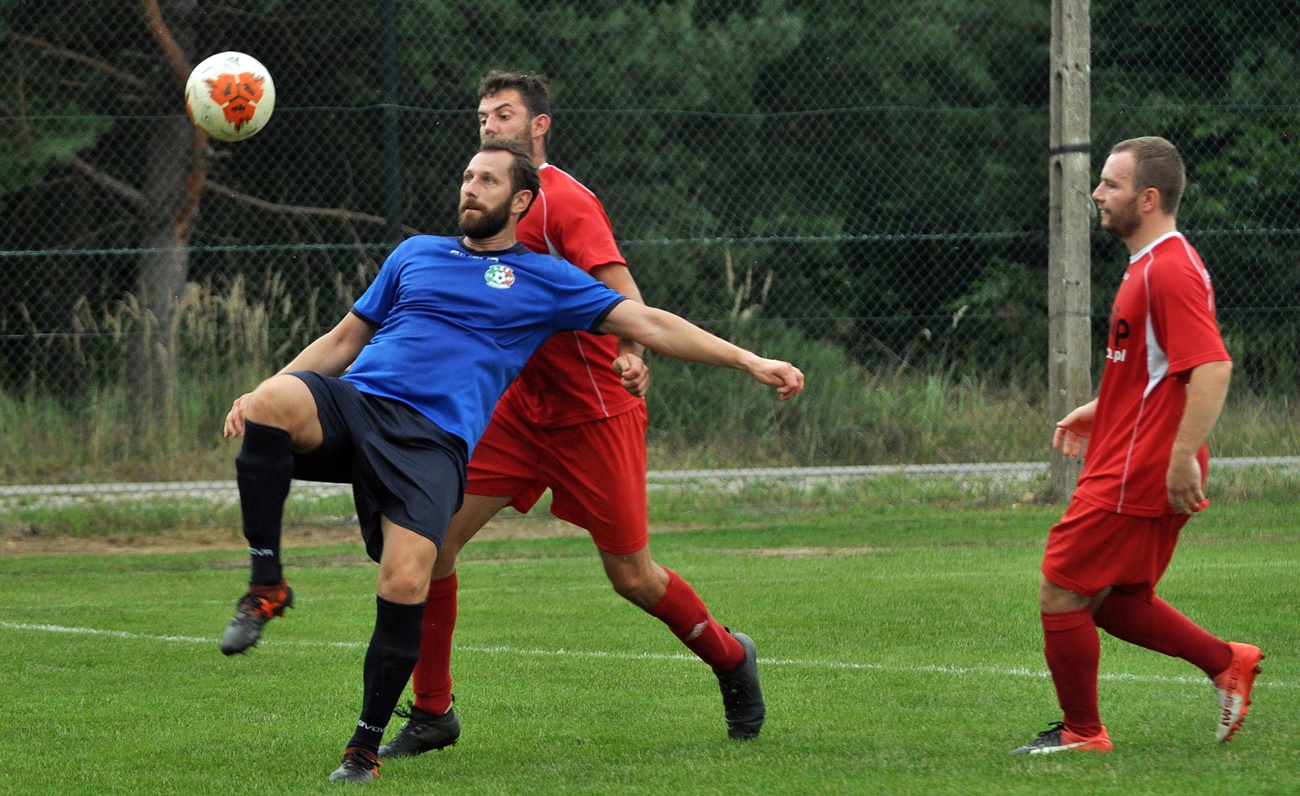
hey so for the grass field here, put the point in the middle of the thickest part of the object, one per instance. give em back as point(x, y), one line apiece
point(899, 648)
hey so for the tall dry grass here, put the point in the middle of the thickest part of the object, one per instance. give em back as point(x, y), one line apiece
point(233, 335)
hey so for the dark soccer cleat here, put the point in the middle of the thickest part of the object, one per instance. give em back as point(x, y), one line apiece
point(423, 732)
point(359, 765)
point(251, 615)
point(1058, 739)
point(742, 699)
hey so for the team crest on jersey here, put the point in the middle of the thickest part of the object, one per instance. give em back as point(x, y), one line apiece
point(499, 277)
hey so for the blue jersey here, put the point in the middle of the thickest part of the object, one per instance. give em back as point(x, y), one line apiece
point(455, 326)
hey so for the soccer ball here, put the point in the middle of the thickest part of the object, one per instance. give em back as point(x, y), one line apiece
point(230, 95)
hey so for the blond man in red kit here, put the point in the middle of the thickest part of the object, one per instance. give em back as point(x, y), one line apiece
point(1144, 473)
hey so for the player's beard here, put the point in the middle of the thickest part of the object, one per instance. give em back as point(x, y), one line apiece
point(1121, 219)
point(489, 222)
point(522, 137)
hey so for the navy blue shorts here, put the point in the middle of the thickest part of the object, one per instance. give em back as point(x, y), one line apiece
point(400, 463)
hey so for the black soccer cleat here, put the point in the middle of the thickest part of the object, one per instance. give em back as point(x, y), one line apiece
point(359, 765)
point(1056, 738)
point(251, 615)
point(742, 698)
point(423, 732)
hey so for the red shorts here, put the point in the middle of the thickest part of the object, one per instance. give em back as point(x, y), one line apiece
point(1091, 549)
point(596, 472)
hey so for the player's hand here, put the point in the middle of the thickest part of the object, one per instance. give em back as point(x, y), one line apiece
point(786, 378)
point(1071, 435)
point(235, 419)
point(1184, 485)
point(635, 374)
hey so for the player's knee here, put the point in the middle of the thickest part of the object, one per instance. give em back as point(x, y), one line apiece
point(446, 563)
point(638, 588)
point(403, 585)
point(1054, 599)
point(626, 585)
point(275, 402)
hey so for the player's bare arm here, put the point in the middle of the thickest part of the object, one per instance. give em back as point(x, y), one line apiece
point(676, 337)
point(330, 355)
point(1072, 431)
point(1207, 389)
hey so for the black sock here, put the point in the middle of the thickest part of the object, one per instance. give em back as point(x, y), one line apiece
point(390, 659)
point(264, 470)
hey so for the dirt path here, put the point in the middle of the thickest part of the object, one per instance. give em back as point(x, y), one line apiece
point(12, 546)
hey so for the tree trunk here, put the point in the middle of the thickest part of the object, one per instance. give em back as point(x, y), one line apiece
point(177, 164)
point(164, 266)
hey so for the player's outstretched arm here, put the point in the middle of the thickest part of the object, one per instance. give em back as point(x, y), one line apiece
point(676, 337)
point(330, 354)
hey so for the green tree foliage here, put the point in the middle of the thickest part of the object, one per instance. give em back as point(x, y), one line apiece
point(873, 175)
point(1217, 79)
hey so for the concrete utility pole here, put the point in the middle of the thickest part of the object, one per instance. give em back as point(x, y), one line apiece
point(1069, 269)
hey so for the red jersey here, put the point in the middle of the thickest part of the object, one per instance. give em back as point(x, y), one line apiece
point(569, 379)
point(1162, 325)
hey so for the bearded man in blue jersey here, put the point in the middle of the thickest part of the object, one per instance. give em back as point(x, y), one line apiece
point(394, 398)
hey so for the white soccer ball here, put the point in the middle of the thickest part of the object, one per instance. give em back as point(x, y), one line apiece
point(230, 95)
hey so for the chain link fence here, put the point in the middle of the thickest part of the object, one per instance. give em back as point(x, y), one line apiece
point(859, 188)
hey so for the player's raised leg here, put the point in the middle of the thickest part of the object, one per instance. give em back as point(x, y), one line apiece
point(278, 418)
point(1150, 622)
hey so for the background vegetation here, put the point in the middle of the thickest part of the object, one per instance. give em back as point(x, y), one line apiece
point(861, 188)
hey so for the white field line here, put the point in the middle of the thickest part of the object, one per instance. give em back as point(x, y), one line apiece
point(812, 663)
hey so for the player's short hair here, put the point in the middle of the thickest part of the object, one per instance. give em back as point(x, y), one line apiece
point(523, 172)
point(1156, 164)
point(534, 90)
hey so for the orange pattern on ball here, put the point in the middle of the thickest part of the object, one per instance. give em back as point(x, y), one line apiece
point(237, 95)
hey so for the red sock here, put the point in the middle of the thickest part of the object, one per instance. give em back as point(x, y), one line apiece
point(431, 680)
point(1073, 653)
point(683, 611)
point(1159, 626)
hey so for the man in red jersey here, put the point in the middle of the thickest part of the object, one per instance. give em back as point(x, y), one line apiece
point(1163, 387)
point(574, 421)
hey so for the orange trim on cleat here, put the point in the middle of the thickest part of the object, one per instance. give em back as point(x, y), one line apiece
point(1056, 738)
point(359, 765)
point(259, 605)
